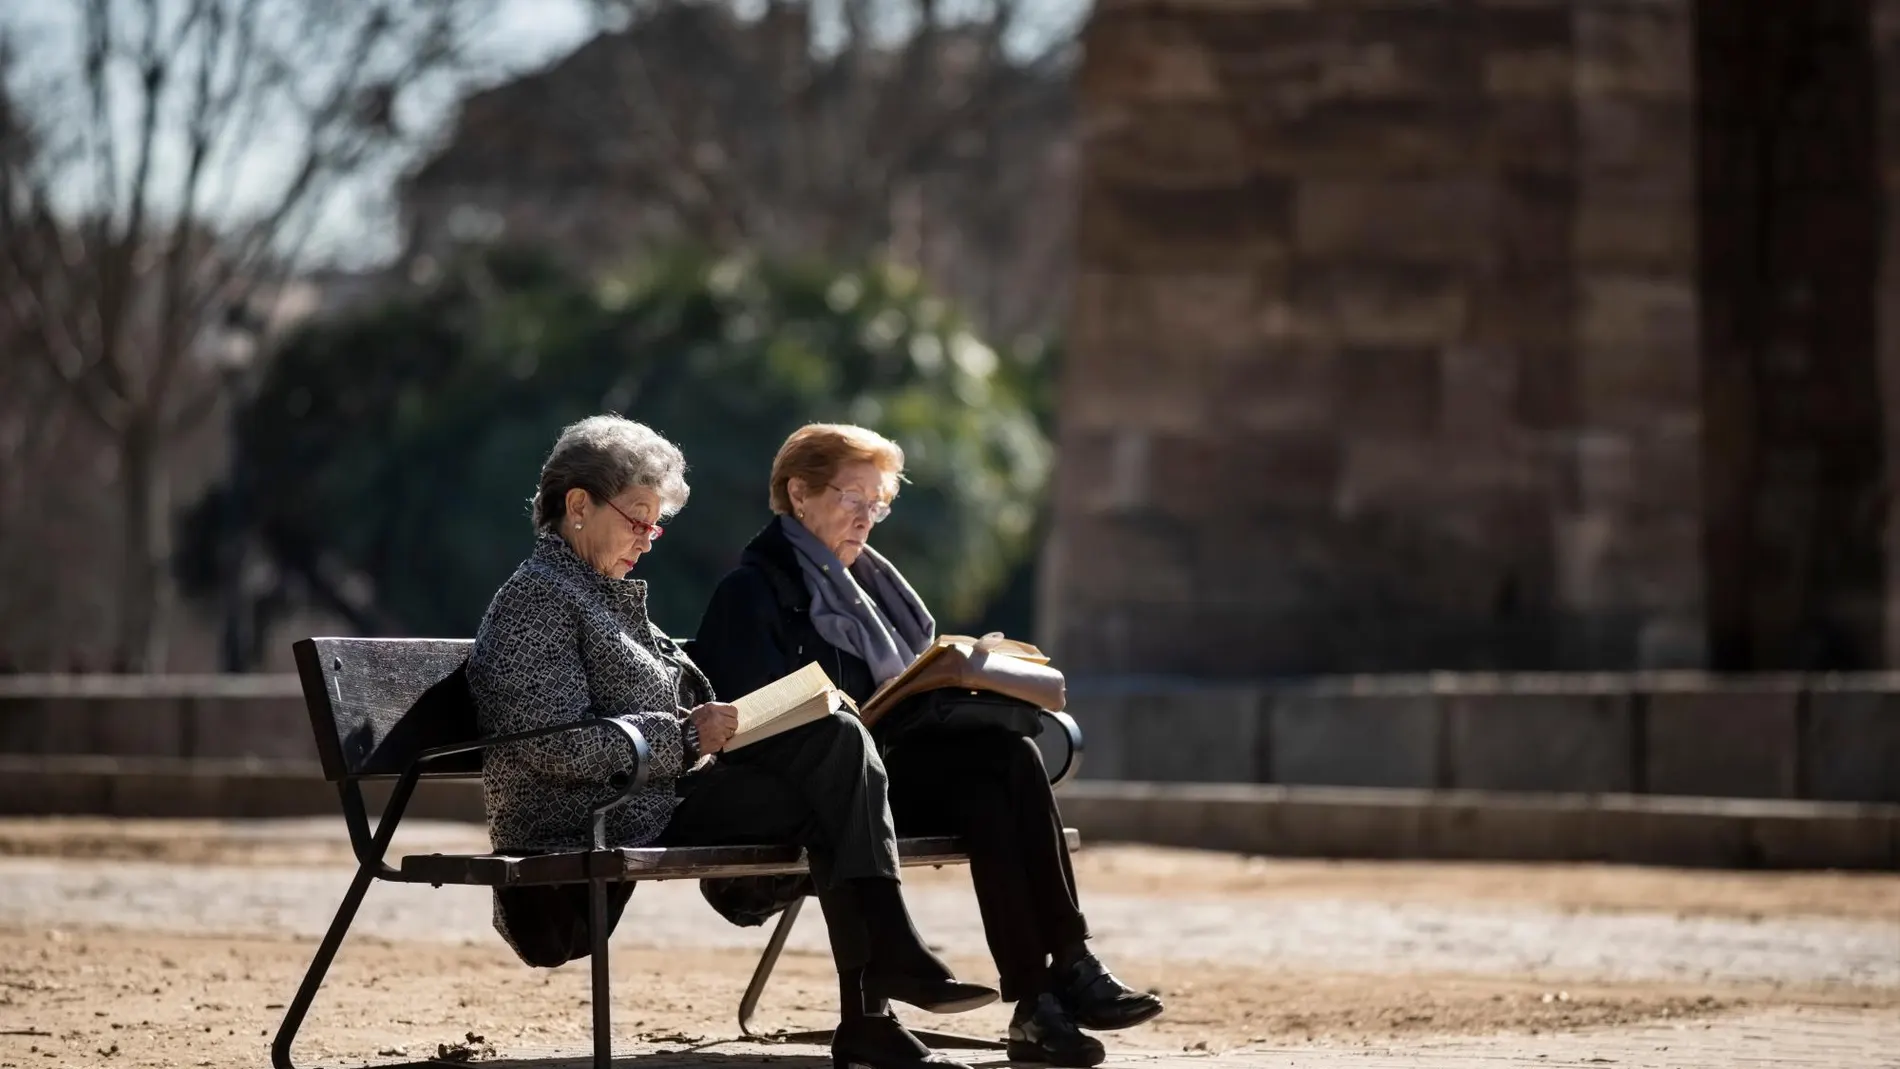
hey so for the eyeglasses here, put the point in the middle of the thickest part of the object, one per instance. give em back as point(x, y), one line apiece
point(653, 530)
point(857, 502)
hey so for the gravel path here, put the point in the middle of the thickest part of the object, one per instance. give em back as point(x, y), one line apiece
point(1336, 933)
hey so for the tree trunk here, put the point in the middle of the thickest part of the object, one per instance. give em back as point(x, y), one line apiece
point(145, 575)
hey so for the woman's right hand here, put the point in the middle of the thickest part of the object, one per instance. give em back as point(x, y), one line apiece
point(717, 722)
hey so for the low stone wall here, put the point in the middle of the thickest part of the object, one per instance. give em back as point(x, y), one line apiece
point(1249, 818)
point(1826, 738)
point(256, 716)
point(1829, 738)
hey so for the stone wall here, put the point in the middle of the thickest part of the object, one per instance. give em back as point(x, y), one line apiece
point(196, 717)
point(1383, 354)
point(1833, 739)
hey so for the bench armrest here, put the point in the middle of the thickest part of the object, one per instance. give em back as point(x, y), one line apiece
point(1073, 763)
point(627, 785)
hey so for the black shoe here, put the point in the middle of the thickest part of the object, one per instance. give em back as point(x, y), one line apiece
point(935, 994)
point(1041, 1031)
point(882, 1042)
point(1096, 1000)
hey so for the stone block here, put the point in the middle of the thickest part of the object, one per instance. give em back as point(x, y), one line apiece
point(1205, 477)
point(1721, 742)
point(1650, 470)
point(172, 793)
point(1539, 742)
point(1532, 226)
point(1609, 560)
point(1428, 221)
point(1179, 316)
point(1524, 136)
point(1170, 146)
point(1352, 740)
point(1638, 50)
point(1102, 715)
point(1377, 304)
point(1133, 55)
point(1265, 473)
point(1355, 140)
point(1142, 227)
point(1404, 472)
point(1390, 390)
point(1280, 386)
point(1643, 225)
point(1191, 735)
point(1620, 139)
point(1851, 746)
point(1149, 565)
point(1547, 73)
point(150, 726)
point(1534, 312)
point(1639, 360)
point(1477, 392)
point(277, 729)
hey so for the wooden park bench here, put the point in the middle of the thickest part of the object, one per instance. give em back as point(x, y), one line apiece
point(399, 709)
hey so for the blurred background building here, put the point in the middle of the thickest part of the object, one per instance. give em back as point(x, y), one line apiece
point(1482, 335)
point(1358, 337)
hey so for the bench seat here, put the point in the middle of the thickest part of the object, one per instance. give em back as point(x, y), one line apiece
point(654, 863)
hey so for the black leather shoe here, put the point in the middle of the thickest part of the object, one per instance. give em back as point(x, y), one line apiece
point(934, 994)
point(1041, 1031)
point(1096, 1000)
point(883, 1043)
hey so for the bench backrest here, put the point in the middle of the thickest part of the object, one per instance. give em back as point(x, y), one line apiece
point(375, 703)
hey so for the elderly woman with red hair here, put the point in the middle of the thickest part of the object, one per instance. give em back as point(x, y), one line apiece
point(809, 587)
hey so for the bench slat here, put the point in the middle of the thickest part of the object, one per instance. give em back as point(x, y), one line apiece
point(657, 862)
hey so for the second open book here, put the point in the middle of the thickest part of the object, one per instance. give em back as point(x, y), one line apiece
point(786, 703)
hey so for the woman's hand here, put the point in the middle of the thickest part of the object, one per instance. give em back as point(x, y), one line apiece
point(716, 722)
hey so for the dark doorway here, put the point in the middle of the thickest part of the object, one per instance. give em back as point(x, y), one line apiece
point(1789, 227)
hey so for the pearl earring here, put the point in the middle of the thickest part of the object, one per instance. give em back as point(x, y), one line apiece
point(577, 527)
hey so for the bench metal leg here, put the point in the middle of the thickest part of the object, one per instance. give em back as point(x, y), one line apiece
point(319, 966)
point(603, 1005)
point(750, 1001)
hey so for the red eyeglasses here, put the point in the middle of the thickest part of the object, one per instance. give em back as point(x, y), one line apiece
point(653, 530)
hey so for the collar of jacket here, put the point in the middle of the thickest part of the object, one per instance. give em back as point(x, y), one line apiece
point(772, 554)
point(552, 551)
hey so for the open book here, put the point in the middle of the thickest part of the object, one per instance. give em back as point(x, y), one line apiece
point(928, 671)
point(786, 703)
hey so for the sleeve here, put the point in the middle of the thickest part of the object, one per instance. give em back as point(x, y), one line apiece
point(739, 645)
point(525, 673)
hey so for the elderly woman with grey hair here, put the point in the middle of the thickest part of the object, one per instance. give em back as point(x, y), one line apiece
point(567, 638)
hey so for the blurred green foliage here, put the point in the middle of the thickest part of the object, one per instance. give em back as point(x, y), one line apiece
point(394, 450)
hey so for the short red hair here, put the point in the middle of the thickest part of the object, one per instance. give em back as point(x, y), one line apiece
point(815, 452)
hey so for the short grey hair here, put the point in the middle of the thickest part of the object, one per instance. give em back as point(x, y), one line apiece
point(604, 455)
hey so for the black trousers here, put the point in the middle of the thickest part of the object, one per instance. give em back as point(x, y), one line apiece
point(821, 786)
point(991, 787)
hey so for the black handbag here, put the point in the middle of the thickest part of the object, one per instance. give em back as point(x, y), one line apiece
point(956, 710)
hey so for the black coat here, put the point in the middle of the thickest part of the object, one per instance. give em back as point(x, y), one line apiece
point(757, 627)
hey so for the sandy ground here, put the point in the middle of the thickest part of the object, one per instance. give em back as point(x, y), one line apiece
point(1103, 869)
point(176, 945)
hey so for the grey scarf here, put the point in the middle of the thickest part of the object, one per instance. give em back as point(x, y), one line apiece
point(867, 609)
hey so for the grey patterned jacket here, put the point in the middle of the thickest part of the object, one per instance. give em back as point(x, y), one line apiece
point(559, 643)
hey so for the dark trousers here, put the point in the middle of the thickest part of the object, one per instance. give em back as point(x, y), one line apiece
point(991, 787)
point(821, 786)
